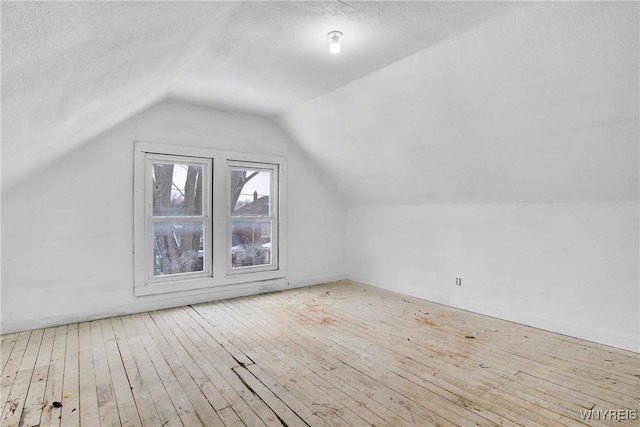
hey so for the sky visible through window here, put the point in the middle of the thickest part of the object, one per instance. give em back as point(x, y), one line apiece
point(259, 183)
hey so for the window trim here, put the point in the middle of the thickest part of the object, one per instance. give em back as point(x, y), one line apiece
point(151, 219)
point(272, 218)
point(219, 203)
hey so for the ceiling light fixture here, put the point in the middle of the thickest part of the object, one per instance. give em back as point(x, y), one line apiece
point(334, 47)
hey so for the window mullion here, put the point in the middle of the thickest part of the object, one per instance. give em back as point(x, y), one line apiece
point(220, 238)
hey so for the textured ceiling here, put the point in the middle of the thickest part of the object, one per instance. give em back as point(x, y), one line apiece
point(273, 56)
point(429, 102)
point(73, 69)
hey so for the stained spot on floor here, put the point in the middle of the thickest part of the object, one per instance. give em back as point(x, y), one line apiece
point(426, 321)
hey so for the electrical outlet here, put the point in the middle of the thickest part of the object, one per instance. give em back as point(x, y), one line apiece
point(458, 281)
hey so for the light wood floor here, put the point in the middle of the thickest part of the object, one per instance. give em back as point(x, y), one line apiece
point(335, 354)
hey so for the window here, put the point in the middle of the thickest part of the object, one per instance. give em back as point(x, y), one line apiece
point(178, 218)
point(206, 218)
point(252, 215)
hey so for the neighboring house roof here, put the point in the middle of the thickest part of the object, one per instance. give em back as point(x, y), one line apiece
point(260, 206)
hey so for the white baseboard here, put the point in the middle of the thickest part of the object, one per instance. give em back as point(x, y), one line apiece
point(161, 301)
point(299, 283)
point(604, 337)
point(151, 303)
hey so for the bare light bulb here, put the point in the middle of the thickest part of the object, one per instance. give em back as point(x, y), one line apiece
point(334, 47)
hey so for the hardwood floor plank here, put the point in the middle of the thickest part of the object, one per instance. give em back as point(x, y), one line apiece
point(232, 351)
point(179, 398)
point(10, 372)
point(89, 413)
point(432, 331)
point(410, 354)
point(327, 365)
point(346, 310)
point(290, 391)
point(509, 359)
point(14, 406)
point(218, 357)
point(187, 373)
point(536, 341)
point(323, 404)
point(7, 342)
point(339, 354)
point(318, 377)
point(593, 372)
point(183, 350)
point(150, 381)
point(286, 406)
point(122, 388)
point(230, 418)
point(371, 376)
point(34, 401)
point(53, 392)
point(198, 347)
point(89, 399)
point(576, 383)
point(143, 402)
point(107, 407)
point(70, 414)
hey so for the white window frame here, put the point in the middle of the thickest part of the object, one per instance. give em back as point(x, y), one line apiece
point(151, 219)
point(219, 272)
point(272, 218)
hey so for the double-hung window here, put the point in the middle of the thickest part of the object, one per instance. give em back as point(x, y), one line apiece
point(206, 218)
point(253, 208)
point(178, 225)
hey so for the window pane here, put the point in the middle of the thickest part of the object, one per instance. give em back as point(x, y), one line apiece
point(177, 189)
point(250, 192)
point(250, 243)
point(178, 247)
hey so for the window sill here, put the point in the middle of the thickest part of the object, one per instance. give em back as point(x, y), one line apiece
point(212, 283)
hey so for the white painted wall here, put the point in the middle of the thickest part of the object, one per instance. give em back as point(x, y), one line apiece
point(541, 105)
point(67, 231)
point(568, 268)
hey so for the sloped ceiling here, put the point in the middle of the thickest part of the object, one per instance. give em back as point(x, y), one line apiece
point(429, 102)
point(539, 106)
